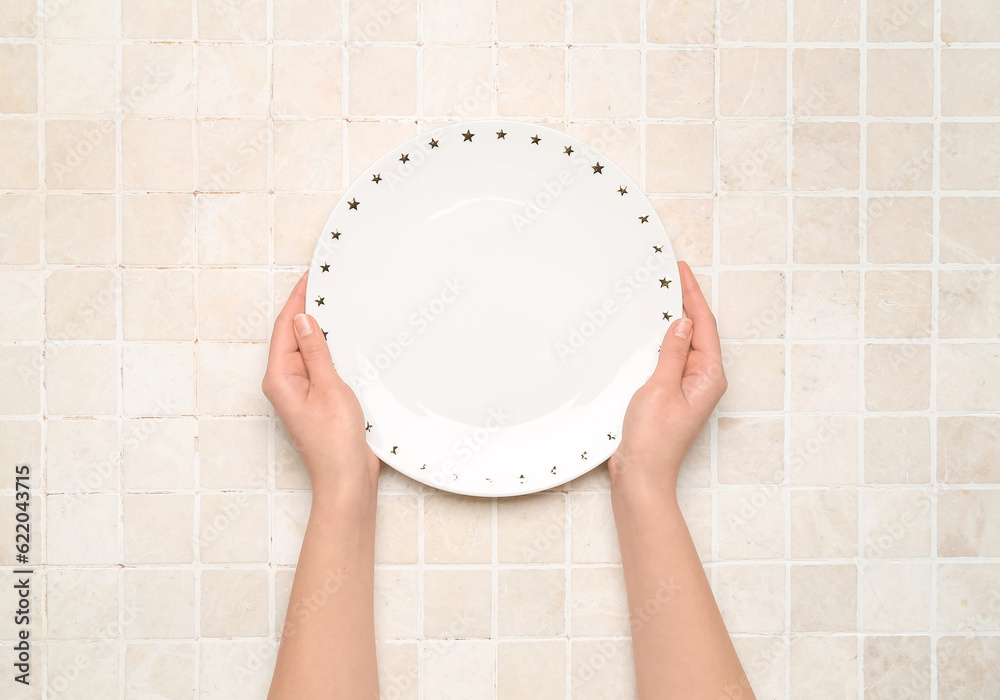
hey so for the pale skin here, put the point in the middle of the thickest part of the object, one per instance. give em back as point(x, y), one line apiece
point(680, 643)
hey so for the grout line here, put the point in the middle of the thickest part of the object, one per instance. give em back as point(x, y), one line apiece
point(935, 331)
point(862, 336)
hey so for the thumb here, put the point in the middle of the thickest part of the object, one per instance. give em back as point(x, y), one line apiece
point(674, 351)
point(313, 348)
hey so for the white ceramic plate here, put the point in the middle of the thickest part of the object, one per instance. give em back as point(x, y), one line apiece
point(494, 292)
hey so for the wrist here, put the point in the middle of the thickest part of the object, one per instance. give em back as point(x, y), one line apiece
point(635, 480)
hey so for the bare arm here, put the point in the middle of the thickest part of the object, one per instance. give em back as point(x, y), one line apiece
point(328, 642)
point(681, 645)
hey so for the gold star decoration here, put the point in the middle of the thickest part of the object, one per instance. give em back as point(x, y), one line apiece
point(376, 178)
point(665, 282)
point(325, 267)
point(667, 316)
point(657, 249)
point(403, 157)
point(584, 455)
point(535, 140)
point(335, 234)
point(598, 168)
point(568, 150)
point(394, 448)
point(502, 134)
point(325, 333)
point(423, 466)
point(368, 427)
point(610, 436)
point(644, 219)
point(320, 301)
point(353, 204)
point(623, 191)
point(468, 135)
point(552, 471)
point(433, 143)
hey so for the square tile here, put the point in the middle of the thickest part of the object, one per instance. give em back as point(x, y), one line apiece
point(305, 20)
point(900, 156)
point(159, 528)
point(531, 20)
point(966, 156)
point(967, 597)
point(170, 19)
point(751, 523)
point(159, 453)
point(384, 81)
point(826, 156)
point(457, 603)
point(825, 304)
point(21, 318)
point(826, 230)
point(81, 380)
point(967, 450)
point(20, 367)
point(823, 666)
point(752, 82)
point(532, 529)
point(167, 666)
point(896, 596)
point(297, 218)
point(968, 525)
point(760, 312)
point(750, 450)
point(468, 664)
point(158, 229)
point(396, 604)
point(900, 230)
point(229, 376)
point(897, 523)
point(19, 79)
point(688, 223)
point(897, 450)
point(442, 25)
point(234, 528)
point(967, 229)
point(157, 305)
point(824, 597)
point(19, 19)
point(82, 455)
point(92, 666)
point(20, 225)
point(897, 377)
point(307, 155)
point(971, 21)
point(896, 663)
point(597, 602)
point(900, 82)
point(593, 536)
point(80, 304)
point(232, 453)
point(161, 603)
point(679, 22)
point(606, 21)
point(308, 80)
point(764, 20)
point(753, 229)
point(19, 151)
point(81, 529)
point(753, 155)
point(239, 20)
point(751, 369)
point(382, 20)
point(94, 19)
point(232, 229)
point(232, 305)
point(532, 602)
point(967, 300)
point(827, 20)
point(531, 670)
point(606, 82)
point(158, 379)
point(457, 529)
point(457, 81)
point(79, 154)
point(232, 80)
point(824, 377)
point(396, 526)
point(232, 155)
point(685, 163)
point(826, 82)
point(234, 603)
point(157, 154)
point(82, 603)
point(897, 304)
point(888, 21)
point(680, 83)
point(79, 79)
point(532, 82)
point(824, 449)
point(80, 229)
point(751, 597)
point(824, 523)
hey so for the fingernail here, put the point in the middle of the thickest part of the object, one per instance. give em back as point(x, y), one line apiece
point(682, 329)
point(302, 325)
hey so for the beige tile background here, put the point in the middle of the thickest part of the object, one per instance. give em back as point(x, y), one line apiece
point(831, 168)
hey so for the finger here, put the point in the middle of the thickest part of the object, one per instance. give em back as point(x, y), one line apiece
point(283, 341)
point(705, 336)
point(314, 350)
point(674, 351)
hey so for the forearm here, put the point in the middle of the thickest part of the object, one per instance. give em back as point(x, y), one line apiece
point(328, 642)
point(681, 646)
